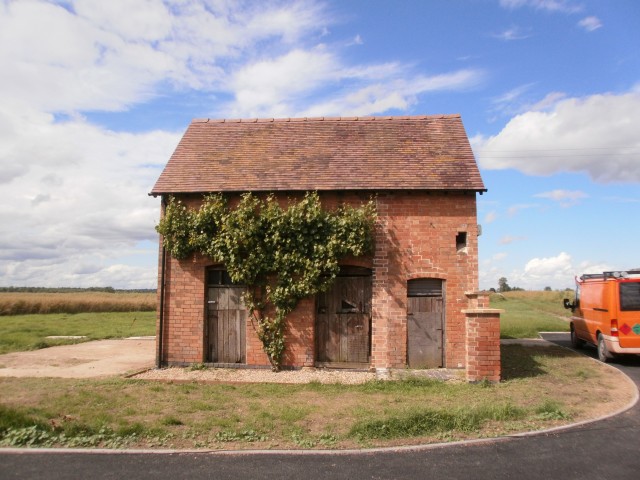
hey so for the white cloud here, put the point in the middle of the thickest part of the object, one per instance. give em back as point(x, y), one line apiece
point(81, 200)
point(541, 272)
point(490, 217)
point(599, 267)
point(76, 209)
point(515, 209)
point(548, 102)
point(517, 100)
point(394, 90)
point(292, 85)
point(590, 24)
point(596, 135)
point(507, 239)
point(513, 33)
point(512, 95)
point(109, 55)
point(557, 272)
point(357, 40)
point(270, 87)
point(566, 198)
point(618, 199)
point(538, 267)
point(564, 6)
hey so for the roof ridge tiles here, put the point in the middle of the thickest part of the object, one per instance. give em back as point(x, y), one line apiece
point(326, 119)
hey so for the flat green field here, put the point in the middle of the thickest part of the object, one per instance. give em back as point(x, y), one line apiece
point(526, 313)
point(29, 332)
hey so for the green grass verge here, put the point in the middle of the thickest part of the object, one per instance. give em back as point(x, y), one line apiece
point(29, 332)
point(543, 387)
point(428, 421)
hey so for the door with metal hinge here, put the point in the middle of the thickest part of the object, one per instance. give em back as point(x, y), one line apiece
point(226, 319)
point(425, 323)
point(343, 321)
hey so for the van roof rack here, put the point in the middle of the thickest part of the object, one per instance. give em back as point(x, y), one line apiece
point(633, 273)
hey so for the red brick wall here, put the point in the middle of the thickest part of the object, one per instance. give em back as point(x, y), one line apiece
point(483, 345)
point(415, 238)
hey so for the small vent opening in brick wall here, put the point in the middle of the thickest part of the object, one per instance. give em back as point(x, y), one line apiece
point(461, 242)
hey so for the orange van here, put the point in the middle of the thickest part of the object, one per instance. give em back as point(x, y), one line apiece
point(606, 313)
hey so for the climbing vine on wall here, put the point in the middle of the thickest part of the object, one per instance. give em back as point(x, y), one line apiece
point(281, 254)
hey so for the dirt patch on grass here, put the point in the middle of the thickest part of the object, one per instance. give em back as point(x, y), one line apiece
point(101, 358)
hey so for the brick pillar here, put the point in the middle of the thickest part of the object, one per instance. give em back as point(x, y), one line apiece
point(483, 342)
point(381, 298)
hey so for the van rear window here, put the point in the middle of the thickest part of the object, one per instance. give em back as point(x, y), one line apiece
point(630, 296)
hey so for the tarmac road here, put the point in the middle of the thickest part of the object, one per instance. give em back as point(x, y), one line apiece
point(608, 449)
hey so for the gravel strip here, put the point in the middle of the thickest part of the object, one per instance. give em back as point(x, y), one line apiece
point(242, 375)
point(305, 375)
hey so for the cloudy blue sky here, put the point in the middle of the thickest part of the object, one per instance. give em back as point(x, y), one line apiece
point(94, 96)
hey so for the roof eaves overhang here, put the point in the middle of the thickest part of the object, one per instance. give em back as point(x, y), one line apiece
point(266, 190)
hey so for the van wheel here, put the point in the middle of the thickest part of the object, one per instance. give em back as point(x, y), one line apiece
point(603, 354)
point(575, 341)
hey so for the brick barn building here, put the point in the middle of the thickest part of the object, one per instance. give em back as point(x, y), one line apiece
point(413, 303)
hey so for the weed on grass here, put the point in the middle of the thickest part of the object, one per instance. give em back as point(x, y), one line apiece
point(551, 410)
point(428, 421)
point(18, 429)
point(198, 366)
point(408, 384)
point(242, 436)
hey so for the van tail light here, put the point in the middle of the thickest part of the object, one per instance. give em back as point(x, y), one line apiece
point(614, 328)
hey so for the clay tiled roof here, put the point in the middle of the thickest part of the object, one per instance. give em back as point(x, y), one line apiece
point(372, 153)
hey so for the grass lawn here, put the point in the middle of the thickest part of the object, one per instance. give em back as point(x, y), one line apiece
point(527, 313)
point(29, 332)
point(542, 387)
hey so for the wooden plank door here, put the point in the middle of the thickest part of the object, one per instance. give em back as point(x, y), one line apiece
point(226, 325)
point(425, 332)
point(343, 322)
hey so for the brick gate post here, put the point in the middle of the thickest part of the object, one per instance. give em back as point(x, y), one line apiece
point(482, 339)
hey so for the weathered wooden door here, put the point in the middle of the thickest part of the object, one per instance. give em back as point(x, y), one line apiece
point(226, 320)
point(343, 322)
point(425, 324)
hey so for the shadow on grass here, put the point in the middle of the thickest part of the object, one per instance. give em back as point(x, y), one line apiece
point(519, 361)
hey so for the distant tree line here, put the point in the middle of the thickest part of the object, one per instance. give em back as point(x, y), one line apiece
point(503, 286)
point(75, 289)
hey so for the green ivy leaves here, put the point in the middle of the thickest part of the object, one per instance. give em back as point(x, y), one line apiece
point(281, 254)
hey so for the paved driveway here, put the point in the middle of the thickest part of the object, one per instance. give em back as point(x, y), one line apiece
point(100, 358)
